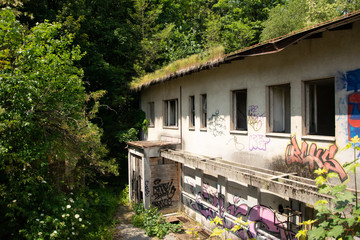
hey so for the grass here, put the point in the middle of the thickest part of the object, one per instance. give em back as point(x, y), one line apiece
point(193, 61)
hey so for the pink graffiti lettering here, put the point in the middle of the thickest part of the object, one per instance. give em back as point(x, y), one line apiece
point(314, 157)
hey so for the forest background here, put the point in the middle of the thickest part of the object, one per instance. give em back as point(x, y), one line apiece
point(66, 110)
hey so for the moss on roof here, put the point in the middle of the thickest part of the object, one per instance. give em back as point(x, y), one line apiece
point(196, 62)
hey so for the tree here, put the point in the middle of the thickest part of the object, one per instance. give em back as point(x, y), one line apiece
point(297, 14)
point(47, 141)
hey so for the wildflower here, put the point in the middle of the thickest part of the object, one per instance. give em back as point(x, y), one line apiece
point(73, 233)
point(67, 215)
point(42, 214)
point(68, 206)
point(39, 233)
point(71, 200)
point(77, 216)
point(37, 219)
point(80, 219)
point(42, 222)
point(14, 201)
point(29, 194)
point(63, 215)
point(82, 225)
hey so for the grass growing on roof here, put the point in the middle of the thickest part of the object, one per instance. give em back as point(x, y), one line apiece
point(193, 61)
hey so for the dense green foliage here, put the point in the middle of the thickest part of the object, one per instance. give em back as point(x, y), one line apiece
point(297, 14)
point(153, 221)
point(66, 111)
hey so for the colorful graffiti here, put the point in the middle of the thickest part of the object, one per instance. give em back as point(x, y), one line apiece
point(352, 78)
point(257, 215)
point(255, 119)
point(258, 142)
point(315, 157)
point(163, 193)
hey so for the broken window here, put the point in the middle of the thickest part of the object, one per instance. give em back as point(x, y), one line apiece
point(192, 111)
point(171, 113)
point(151, 114)
point(279, 108)
point(239, 119)
point(203, 111)
point(320, 107)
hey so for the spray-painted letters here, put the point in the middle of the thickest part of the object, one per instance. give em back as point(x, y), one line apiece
point(257, 214)
point(163, 193)
point(255, 119)
point(314, 157)
point(258, 142)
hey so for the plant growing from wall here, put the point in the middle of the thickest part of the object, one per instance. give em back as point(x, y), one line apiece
point(343, 222)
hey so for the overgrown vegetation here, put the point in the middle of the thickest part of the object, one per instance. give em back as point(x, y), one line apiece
point(153, 221)
point(197, 60)
point(340, 218)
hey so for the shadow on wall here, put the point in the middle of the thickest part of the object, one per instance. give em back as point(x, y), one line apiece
point(278, 164)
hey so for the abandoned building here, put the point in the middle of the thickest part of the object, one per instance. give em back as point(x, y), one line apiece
point(240, 135)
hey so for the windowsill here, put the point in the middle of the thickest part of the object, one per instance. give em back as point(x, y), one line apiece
point(319, 138)
point(278, 135)
point(191, 129)
point(171, 127)
point(239, 132)
point(203, 129)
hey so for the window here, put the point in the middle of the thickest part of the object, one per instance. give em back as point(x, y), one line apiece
point(192, 111)
point(171, 113)
point(279, 108)
point(151, 112)
point(239, 118)
point(203, 111)
point(320, 107)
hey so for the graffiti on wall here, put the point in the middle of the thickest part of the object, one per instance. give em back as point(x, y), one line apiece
point(163, 193)
point(315, 157)
point(216, 124)
point(237, 144)
point(258, 142)
point(257, 215)
point(351, 81)
point(255, 119)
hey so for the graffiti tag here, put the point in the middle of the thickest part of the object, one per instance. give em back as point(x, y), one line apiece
point(163, 193)
point(216, 124)
point(257, 214)
point(258, 142)
point(314, 157)
point(255, 119)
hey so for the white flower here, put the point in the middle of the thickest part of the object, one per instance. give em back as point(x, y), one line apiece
point(37, 219)
point(42, 214)
point(63, 215)
point(29, 194)
point(39, 233)
point(67, 215)
point(71, 200)
point(77, 216)
point(68, 206)
point(55, 232)
point(14, 201)
point(73, 233)
point(80, 219)
point(42, 222)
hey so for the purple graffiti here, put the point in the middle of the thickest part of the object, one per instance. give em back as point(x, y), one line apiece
point(255, 215)
point(258, 142)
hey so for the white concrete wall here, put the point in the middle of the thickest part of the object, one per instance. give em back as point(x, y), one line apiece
point(332, 55)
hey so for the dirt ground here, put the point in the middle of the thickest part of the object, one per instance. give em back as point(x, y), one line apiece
point(124, 230)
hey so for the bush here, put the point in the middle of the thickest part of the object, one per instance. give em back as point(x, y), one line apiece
point(153, 221)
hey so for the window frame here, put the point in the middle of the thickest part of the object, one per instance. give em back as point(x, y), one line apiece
point(192, 113)
point(203, 111)
point(234, 115)
point(311, 111)
point(284, 111)
point(167, 113)
point(151, 113)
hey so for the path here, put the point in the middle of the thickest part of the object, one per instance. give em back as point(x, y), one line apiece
point(124, 230)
